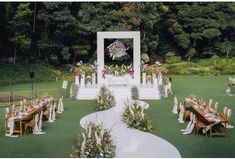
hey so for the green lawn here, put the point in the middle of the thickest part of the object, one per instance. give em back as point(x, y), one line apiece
point(58, 140)
point(167, 126)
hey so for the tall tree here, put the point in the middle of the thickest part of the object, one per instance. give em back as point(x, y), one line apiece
point(21, 25)
point(57, 30)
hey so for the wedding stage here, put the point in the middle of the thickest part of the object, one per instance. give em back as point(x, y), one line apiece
point(146, 92)
point(119, 85)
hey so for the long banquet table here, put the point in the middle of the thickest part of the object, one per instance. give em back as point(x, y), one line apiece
point(25, 116)
point(208, 116)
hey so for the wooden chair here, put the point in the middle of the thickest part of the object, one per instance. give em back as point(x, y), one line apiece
point(30, 124)
point(199, 125)
point(225, 110)
point(16, 129)
point(46, 114)
point(187, 113)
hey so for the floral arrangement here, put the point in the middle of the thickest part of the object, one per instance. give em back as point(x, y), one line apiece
point(88, 79)
point(117, 49)
point(105, 99)
point(118, 70)
point(87, 69)
point(155, 68)
point(93, 142)
point(162, 87)
point(149, 78)
point(135, 117)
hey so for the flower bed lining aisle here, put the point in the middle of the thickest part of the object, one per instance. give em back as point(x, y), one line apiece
point(130, 142)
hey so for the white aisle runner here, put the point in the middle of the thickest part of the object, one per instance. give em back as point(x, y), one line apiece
point(131, 142)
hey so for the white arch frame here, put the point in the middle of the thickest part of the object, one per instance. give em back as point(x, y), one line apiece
point(135, 35)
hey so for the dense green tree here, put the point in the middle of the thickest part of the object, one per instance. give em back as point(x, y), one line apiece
point(226, 47)
point(21, 26)
point(57, 30)
point(63, 32)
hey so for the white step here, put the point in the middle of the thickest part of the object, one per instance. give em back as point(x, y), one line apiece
point(120, 92)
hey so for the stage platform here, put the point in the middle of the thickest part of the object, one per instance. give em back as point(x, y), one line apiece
point(146, 92)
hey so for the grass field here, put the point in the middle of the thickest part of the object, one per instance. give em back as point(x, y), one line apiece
point(58, 140)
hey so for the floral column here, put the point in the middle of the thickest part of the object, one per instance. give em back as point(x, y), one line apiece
point(144, 78)
point(77, 82)
point(83, 80)
point(93, 79)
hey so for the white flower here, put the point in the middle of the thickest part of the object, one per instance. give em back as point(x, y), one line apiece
point(83, 143)
point(102, 133)
point(83, 136)
point(132, 113)
point(142, 114)
point(97, 138)
point(89, 132)
point(158, 63)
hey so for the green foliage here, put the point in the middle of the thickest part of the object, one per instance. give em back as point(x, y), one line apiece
point(58, 23)
point(145, 57)
point(20, 24)
point(135, 117)
point(214, 66)
point(64, 32)
point(105, 99)
point(16, 74)
point(226, 47)
point(65, 53)
point(171, 57)
point(93, 142)
point(190, 53)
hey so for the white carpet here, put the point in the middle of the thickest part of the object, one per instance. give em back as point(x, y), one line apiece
point(130, 142)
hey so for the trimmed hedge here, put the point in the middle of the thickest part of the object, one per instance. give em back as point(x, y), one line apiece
point(17, 74)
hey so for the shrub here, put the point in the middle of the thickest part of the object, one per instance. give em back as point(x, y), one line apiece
point(17, 74)
point(135, 117)
point(73, 91)
point(171, 57)
point(93, 142)
point(145, 58)
point(105, 99)
point(134, 92)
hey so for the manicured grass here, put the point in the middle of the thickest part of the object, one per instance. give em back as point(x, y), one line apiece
point(58, 140)
point(27, 86)
point(166, 125)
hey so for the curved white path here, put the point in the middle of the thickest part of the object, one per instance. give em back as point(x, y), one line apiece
point(131, 142)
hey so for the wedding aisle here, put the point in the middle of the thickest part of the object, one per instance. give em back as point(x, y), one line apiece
point(131, 142)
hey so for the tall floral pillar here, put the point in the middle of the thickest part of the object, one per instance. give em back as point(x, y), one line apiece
point(135, 35)
point(77, 80)
point(83, 80)
point(93, 79)
point(144, 78)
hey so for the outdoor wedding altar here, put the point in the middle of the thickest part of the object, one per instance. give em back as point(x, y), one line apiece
point(118, 79)
point(114, 87)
